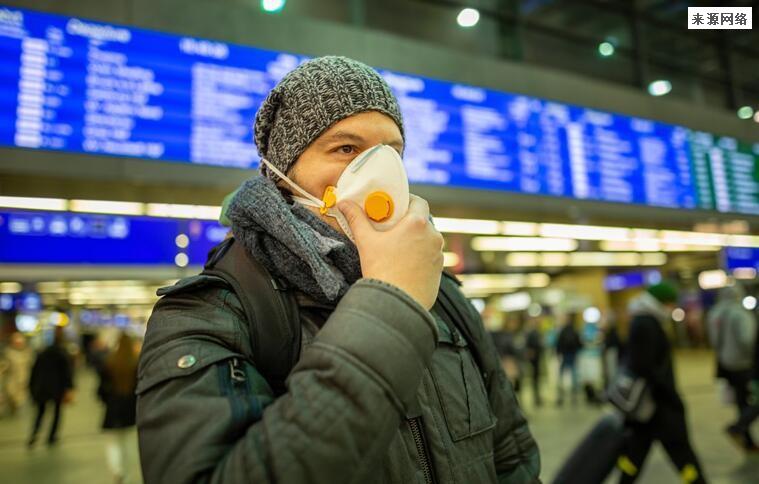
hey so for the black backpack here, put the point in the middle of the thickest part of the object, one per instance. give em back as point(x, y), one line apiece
point(272, 313)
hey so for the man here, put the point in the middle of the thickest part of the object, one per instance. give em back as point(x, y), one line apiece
point(534, 353)
point(732, 332)
point(384, 390)
point(649, 356)
point(568, 345)
point(51, 381)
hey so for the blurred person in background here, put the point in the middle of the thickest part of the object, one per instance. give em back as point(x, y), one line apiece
point(612, 350)
point(534, 354)
point(510, 345)
point(749, 414)
point(116, 390)
point(51, 381)
point(732, 333)
point(568, 345)
point(18, 357)
point(649, 356)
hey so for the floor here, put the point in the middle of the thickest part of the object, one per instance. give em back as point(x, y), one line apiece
point(79, 457)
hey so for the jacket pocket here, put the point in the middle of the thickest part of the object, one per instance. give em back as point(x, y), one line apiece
point(459, 386)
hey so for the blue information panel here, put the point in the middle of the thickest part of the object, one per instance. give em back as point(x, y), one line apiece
point(741, 258)
point(83, 86)
point(28, 237)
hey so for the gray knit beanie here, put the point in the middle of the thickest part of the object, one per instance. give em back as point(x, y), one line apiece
point(310, 99)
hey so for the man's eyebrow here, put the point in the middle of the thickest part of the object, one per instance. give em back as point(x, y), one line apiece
point(343, 136)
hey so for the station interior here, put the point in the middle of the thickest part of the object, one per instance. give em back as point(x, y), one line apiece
point(572, 155)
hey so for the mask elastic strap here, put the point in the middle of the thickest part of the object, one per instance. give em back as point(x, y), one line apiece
point(319, 203)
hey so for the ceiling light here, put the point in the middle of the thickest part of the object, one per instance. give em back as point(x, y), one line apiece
point(468, 17)
point(203, 212)
point(519, 228)
point(10, 287)
point(744, 273)
point(107, 207)
point(515, 302)
point(604, 259)
point(585, 232)
point(466, 226)
point(272, 6)
point(713, 279)
point(516, 244)
point(33, 203)
point(659, 87)
point(745, 112)
point(606, 49)
point(749, 302)
point(678, 315)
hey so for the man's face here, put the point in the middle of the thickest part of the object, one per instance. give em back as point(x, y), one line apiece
point(325, 159)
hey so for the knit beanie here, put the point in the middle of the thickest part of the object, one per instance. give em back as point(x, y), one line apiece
point(664, 292)
point(310, 99)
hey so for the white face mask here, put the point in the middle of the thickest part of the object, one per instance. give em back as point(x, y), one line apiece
point(376, 180)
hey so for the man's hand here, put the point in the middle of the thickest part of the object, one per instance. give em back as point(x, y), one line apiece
point(408, 256)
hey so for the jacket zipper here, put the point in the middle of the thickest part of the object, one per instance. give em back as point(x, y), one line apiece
point(421, 449)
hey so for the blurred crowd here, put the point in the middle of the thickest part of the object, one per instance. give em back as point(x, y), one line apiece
point(41, 374)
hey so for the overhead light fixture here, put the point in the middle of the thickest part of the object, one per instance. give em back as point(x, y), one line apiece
point(515, 302)
point(606, 49)
point(498, 283)
point(467, 226)
point(107, 207)
point(468, 17)
point(756, 117)
point(678, 315)
point(659, 87)
point(10, 287)
point(34, 203)
point(653, 259)
point(517, 244)
point(535, 259)
point(630, 245)
point(585, 232)
point(604, 259)
point(742, 241)
point(523, 259)
point(272, 6)
point(749, 302)
point(592, 315)
point(527, 229)
point(202, 212)
point(745, 112)
point(714, 279)
point(744, 273)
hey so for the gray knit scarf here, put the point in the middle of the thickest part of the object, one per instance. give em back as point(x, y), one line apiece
point(292, 242)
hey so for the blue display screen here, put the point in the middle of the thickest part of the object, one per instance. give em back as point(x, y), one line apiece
point(72, 238)
point(741, 258)
point(83, 86)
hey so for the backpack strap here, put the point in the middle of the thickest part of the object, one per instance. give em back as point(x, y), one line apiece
point(452, 304)
point(270, 310)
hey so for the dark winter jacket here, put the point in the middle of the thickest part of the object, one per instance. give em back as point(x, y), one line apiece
point(383, 392)
point(51, 375)
point(649, 354)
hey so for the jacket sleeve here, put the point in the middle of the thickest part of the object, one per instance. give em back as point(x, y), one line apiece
point(745, 326)
point(344, 401)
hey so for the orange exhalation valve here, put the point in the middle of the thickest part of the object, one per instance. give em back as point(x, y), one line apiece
point(329, 199)
point(378, 206)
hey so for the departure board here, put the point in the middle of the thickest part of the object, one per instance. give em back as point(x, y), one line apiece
point(38, 237)
point(82, 86)
point(727, 172)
